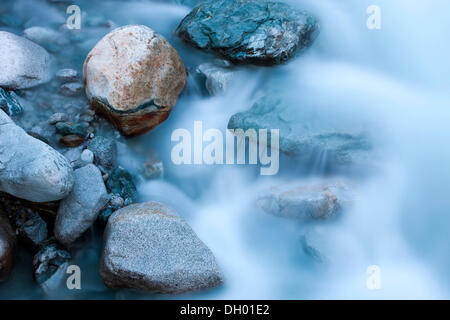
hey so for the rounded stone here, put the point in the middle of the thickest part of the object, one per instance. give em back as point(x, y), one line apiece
point(133, 76)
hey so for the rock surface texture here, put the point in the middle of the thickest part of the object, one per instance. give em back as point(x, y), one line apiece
point(79, 210)
point(148, 247)
point(29, 168)
point(23, 63)
point(249, 31)
point(133, 76)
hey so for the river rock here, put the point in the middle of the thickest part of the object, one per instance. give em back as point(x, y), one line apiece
point(8, 245)
point(306, 134)
point(10, 103)
point(244, 31)
point(67, 75)
point(307, 200)
point(31, 229)
point(105, 152)
point(120, 182)
point(23, 63)
point(134, 76)
point(79, 210)
point(29, 168)
point(48, 38)
point(147, 246)
point(50, 265)
point(216, 79)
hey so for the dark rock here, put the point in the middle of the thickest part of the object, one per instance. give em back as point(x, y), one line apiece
point(105, 151)
point(9, 103)
point(67, 75)
point(120, 182)
point(67, 128)
point(50, 265)
point(245, 31)
point(8, 245)
point(148, 247)
point(31, 229)
point(71, 140)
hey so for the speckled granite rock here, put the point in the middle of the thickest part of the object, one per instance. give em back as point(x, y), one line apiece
point(249, 31)
point(29, 168)
point(134, 76)
point(148, 247)
point(23, 63)
point(79, 210)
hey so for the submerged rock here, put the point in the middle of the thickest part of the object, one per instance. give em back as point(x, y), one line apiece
point(23, 63)
point(134, 76)
point(29, 168)
point(67, 128)
point(71, 89)
point(245, 31)
point(303, 132)
point(71, 140)
point(8, 245)
point(50, 266)
point(9, 103)
point(306, 201)
point(147, 246)
point(120, 182)
point(48, 38)
point(67, 75)
point(79, 210)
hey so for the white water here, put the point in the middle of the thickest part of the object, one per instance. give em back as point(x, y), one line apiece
point(397, 79)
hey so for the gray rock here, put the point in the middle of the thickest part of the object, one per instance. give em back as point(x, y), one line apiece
point(120, 182)
point(8, 245)
point(305, 133)
point(67, 75)
point(243, 31)
point(216, 79)
point(48, 38)
point(71, 89)
point(105, 151)
point(29, 168)
point(307, 201)
point(50, 265)
point(58, 117)
point(24, 64)
point(153, 167)
point(79, 210)
point(10, 103)
point(148, 247)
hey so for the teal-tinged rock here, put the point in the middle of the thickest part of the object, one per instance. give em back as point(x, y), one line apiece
point(248, 31)
point(121, 183)
point(69, 128)
point(9, 103)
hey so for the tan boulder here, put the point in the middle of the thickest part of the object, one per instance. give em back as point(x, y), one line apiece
point(133, 76)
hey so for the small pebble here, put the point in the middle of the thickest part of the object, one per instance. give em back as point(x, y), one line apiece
point(87, 156)
point(71, 140)
point(67, 75)
point(57, 117)
point(71, 89)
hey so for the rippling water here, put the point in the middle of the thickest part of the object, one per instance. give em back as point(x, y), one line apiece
point(396, 80)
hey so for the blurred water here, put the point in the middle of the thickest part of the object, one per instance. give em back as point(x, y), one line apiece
point(395, 79)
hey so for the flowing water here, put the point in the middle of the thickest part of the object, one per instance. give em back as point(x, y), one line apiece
point(396, 80)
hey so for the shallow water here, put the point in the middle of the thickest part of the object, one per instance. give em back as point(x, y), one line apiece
point(395, 81)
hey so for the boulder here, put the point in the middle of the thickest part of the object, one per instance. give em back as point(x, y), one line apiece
point(29, 168)
point(8, 245)
point(249, 32)
point(149, 247)
point(307, 200)
point(79, 210)
point(24, 64)
point(133, 76)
